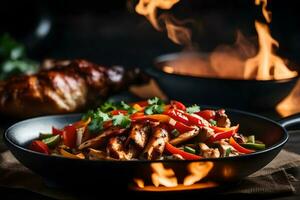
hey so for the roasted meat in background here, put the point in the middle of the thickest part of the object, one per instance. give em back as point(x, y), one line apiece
point(64, 88)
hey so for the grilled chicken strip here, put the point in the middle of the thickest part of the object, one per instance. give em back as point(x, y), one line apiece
point(207, 152)
point(63, 88)
point(115, 149)
point(205, 133)
point(100, 139)
point(222, 119)
point(185, 136)
point(156, 144)
point(139, 135)
point(224, 146)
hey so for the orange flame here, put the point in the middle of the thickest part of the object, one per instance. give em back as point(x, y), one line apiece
point(266, 64)
point(148, 8)
point(176, 31)
point(267, 14)
point(198, 170)
point(163, 176)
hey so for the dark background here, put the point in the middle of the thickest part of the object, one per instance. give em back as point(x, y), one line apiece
point(110, 32)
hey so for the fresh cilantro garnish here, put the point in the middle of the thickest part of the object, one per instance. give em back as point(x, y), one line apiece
point(108, 106)
point(213, 122)
point(97, 119)
point(154, 109)
point(192, 109)
point(156, 101)
point(121, 120)
point(227, 152)
point(125, 106)
point(156, 106)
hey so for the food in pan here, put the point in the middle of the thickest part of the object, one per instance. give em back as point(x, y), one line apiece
point(148, 130)
point(63, 88)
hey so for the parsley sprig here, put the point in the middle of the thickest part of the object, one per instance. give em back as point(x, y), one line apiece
point(193, 109)
point(156, 106)
point(121, 120)
point(101, 115)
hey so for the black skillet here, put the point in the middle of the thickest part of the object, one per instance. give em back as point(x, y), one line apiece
point(240, 94)
point(70, 172)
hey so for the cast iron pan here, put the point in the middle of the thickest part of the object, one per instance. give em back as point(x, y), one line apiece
point(71, 172)
point(240, 94)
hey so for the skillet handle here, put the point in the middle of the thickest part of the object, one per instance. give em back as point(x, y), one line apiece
point(291, 122)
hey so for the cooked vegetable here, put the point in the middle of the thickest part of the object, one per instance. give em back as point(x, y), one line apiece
point(226, 134)
point(178, 105)
point(254, 146)
point(187, 156)
point(45, 135)
point(51, 142)
point(39, 146)
point(207, 114)
point(150, 130)
point(189, 149)
point(238, 147)
point(251, 139)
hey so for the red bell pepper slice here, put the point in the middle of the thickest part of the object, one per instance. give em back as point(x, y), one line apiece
point(177, 115)
point(187, 156)
point(238, 147)
point(184, 117)
point(56, 131)
point(69, 136)
point(178, 105)
point(225, 134)
point(194, 120)
point(180, 127)
point(207, 114)
point(117, 112)
point(39, 146)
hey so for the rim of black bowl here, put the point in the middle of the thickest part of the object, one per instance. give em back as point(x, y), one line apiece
point(279, 144)
point(160, 60)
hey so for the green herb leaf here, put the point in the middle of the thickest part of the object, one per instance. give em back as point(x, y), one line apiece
point(95, 126)
point(97, 119)
point(10, 48)
point(156, 101)
point(192, 109)
point(13, 58)
point(127, 107)
point(156, 106)
point(175, 132)
point(108, 106)
point(121, 120)
point(154, 109)
point(227, 152)
point(213, 122)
